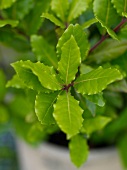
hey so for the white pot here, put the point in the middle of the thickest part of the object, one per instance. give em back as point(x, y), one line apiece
point(50, 157)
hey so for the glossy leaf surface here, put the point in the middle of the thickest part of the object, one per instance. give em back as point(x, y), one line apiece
point(80, 37)
point(96, 80)
point(44, 107)
point(68, 114)
point(70, 60)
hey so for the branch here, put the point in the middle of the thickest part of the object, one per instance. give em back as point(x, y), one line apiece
point(103, 38)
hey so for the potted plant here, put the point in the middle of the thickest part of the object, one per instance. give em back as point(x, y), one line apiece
point(70, 71)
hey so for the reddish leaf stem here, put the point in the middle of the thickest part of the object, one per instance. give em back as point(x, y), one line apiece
point(103, 38)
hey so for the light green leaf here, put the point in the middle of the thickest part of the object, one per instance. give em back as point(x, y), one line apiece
point(44, 107)
point(70, 60)
point(80, 37)
point(53, 19)
point(43, 51)
point(91, 125)
point(88, 23)
point(2, 85)
point(13, 23)
point(6, 3)
point(45, 74)
point(16, 82)
point(97, 80)
point(60, 8)
point(108, 50)
point(68, 114)
point(96, 98)
point(77, 7)
point(27, 77)
point(85, 68)
point(121, 6)
point(105, 14)
point(78, 150)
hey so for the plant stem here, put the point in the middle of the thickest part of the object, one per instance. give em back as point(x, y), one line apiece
point(103, 38)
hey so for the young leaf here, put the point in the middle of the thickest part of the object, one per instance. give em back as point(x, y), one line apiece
point(27, 78)
point(53, 19)
point(70, 60)
point(105, 14)
point(80, 37)
point(44, 107)
point(60, 8)
point(96, 80)
point(13, 23)
point(43, 51)
point(77, 7)
point(68, 114)
point(91, 125)
point(91, 107)
point(6, 4)
point(88, 23)
point(121, 6)
point(78, 150)
point(16, 82)
point(45, 74)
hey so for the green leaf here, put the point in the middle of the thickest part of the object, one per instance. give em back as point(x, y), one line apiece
point(121, 6)
point(44, 107)
point(48, 79)
point(60, 8)
point(96, 98)
point(4, 114)
point(88, 23)
point(105, 14)
point(13, 23)
point(33, 25)
point(122, 147)
point(27, 77)
point(108, 50)
point(6, 4)
point(80, 37)
point(78, 150)
point(70, 60)
point(68, 114)
point(21, 8)
point(77, 7)
point(2, 85)
point(43, 51)
point(16, 82)
point(96, 80)
point(85, 68)
point(53, 19)
point(91, 125)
